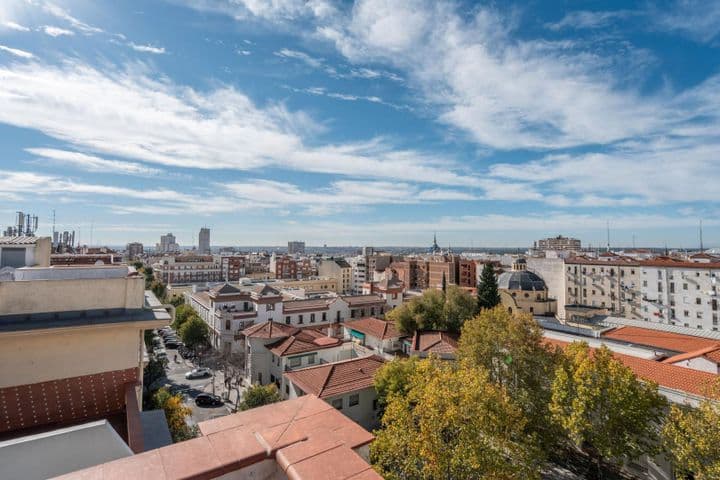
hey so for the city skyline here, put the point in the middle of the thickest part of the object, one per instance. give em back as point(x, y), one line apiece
point(373, 123)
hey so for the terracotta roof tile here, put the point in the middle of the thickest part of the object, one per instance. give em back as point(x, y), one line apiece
point(669, 376)
point(374, 327)
point(712, 352)
point(303, 341)
point(360, 300)
point(269, 330)
point(676, 342)
point(337, 378)
point(434, 342)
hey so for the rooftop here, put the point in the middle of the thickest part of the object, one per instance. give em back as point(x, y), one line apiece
point(337, 378)
point(312, 304)
point(434, 342)
point(269, 330)
point(360, 300)
point(304, 438)
point(19, 240)
point(374, 327)
point(675, 342)
point(307, 340)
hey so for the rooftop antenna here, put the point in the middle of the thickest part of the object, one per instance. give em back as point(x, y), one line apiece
point(633, 241)
point(608, 235)
point(701, 239)
point(53, 226)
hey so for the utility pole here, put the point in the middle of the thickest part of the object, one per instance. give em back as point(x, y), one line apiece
point(701, 239)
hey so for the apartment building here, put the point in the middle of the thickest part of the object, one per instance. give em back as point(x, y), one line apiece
point(467, 273)
point(609, 282)
point(233, 267)
point(296, 247)
point(188, 269)
point(134, 250)
point(443, 266)
point(168, 244)
point(204, 241)
point(70, 259)
point(558, 243)
point(71, 345)
point(412, 272)
point(680, 292)
point(284, 267)
point(339, 269)
point(359, 272)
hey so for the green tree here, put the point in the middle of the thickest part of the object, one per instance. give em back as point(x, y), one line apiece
point(183, 313)
point(259, 395)
point(511, 349)
point(194, 332)
point(154, 370)
point(138, 265)
point(692, 438)
point(452, 424)
point(393, 378)
point(177, 300)
point(434, 310)
point(158, 288)
point(603, 407)
point(444, 283)
point(176, 414)
point(487, 289)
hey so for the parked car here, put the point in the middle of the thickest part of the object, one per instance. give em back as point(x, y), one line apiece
point(198, 373)
point(174, 343)
point(208, 400)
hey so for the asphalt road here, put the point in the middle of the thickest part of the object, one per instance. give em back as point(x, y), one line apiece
point(191, 388)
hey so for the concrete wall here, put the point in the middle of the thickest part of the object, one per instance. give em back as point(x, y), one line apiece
point(38, 296)
point(36, 357)
point(362, 413)
point(552, 271)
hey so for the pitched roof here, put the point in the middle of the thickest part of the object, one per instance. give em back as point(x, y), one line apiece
point(390, 283)
point(360, 300)
point(306, 436)
point(337, 378)
point(18, 240)
point(225, 289)
point(669, 376)
point(374, 327)
point(675, 342)
point(269, 330)
point(711, 353)
point(304, 341)
point(264, 290)
point(434, 342)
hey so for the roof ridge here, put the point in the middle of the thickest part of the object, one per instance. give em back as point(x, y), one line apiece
point(327, 378)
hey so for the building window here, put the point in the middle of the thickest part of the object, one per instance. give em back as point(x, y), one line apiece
point(698, 301)
point(352, 313)
point(324, 316)
point(295, 362)
point(300, 319)
point(287, 320)
point(287, 389)
point(686, 313)
point(684, 286)
point(312, 318)
point(227, 324)
point(354, 400)
point(311, 359)
point(372, 311)
point(337, 403)
point(272, 378)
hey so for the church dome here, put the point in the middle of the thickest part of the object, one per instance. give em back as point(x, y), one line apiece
point(520, 279)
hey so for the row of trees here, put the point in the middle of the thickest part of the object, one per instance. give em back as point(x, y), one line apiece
point(511, 399)
point(193, 331)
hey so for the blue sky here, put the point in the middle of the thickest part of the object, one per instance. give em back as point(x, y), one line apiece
point(368, 122)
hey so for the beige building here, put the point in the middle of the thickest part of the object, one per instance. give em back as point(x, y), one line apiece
point(524, 291)
point(188, 269)
point(338, 269)
point(71, 344)
point(608, 282)
point(18, 252)
point(315, 284)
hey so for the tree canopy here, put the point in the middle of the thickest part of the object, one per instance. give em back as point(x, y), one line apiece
point(175, 413)
point(603, 407)
point(510, 348)
point(194, 332)
point(692, 437)
point(487, 289)
point(452, 423)
point(394, 379)
point(182, 314)
point(434, 310)
point(259, 395)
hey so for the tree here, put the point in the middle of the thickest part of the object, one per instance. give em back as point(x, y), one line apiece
point(259, 395)
point(177, 300)
point(175, 413)
point(158, 288)
point(452, 424)
point(194, 332)
point(487, 289)
point(138, 265)
point(511, 349)
point(393, 378)
point(182, 314)
point(444, 283)
point(603, 407)
point(692, 438)
point(434, 310)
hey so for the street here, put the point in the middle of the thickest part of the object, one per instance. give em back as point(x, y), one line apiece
point(191, 388)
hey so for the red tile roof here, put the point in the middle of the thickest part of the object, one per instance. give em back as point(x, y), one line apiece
point(669, 376)
point(269, 330)
point(307, 340)
point(711, 352)
point(434, 342)
point(306, 436)
point(374, 327)
point(337, 378)
point(676, 342)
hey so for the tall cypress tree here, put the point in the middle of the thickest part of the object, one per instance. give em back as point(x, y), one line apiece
point(487, 290)
point(444, 283)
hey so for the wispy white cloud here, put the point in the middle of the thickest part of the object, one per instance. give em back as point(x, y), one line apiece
point(63, 14)
point(92, 163)
point(302, 56)
point(14, 26)
point(16, 51)
point(146, 48)
point(244, 53)
point(322, 91)
point(56, 31)
point(696, 19)
point(585, 19)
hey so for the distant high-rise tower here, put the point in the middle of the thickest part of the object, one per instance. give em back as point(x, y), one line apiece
point(296, 247)
point(204, 240)
point(167, 244)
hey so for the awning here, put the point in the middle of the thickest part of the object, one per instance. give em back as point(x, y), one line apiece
point(356, 334)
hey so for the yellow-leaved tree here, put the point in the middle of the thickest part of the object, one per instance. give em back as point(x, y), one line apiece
point(452, 423)
point(605, 410)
